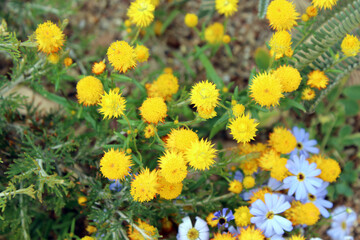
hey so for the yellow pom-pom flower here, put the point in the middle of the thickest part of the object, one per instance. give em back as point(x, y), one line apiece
point(249, 166)
point(206, 114)
point(181, 139)
point(112, 104)
point(115, 164)
point(269, 159)
point(324, 4)
point(289, 77)
point(214, 33)
point(142, 53)
point(330, 169)
point(68, 61)
point(191, 20)
point(121, 56)
point(350, 45)
point(53, 58)
point(141, 13)
point(201, 154)
point(82, 201)
point(280, 43)
point(98, 68)
point(243, 129)
point(242, 216)
point(235, 186)
point(87, 238)
point(306, 213)
point(149, 131)
point(134, 234)
point(49, 37)
point(153, 110)
point(226, 39)
point(169, 190)
point(282, 140)
point(144, 186)
point(280, 171)
point(311, 11)
point(308, 94)
point(238, 110)
point(298, 237)
point(251, 233)
point(282, 15)
point(89, 90)
point(173, 167)
point(317, 79)
point(305, 17)
point(210, 221)
point(227, 7)
point(260, 194)
point(223, 236)
point(164, 86)
point(266, 90)
point(249, 182)
point(91, 229)
point(205, 95)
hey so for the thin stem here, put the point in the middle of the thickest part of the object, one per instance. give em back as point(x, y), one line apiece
point(136, 36)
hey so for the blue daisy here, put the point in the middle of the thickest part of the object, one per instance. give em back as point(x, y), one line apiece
point(304, 146)
point(343, 219)
point(319, 200)
point(304, 180)
point(266, 216)
point(223, 217)
point(115, 185)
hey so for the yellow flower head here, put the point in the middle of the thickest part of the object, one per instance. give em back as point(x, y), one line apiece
point(49, 37)
point(282, 140)
point(226, 7)
point(243, 129)
point(251, 148)
point(115, 164)
point(259, 194)
point(142, 53)
point(191, 20)
point(223, 236)
point(134, 234)
point(300, 213)
point(144, 186)
point(153, 110)
point(282, 15)
point(68, 61)
point(305, 17)
point(214, 33)
point(266, 90)
point(251, 233)
point(201, 154)
point(173, 167)
point(249, 182)
point(249, 166)
point(121, 56)
point(280, 43)
point(205, 95)
point(269, 159)
point(317, 79)
point(112, 104)
point(164, 86)
point(87, 238)
point(98, 68)
point(141, 13)
point(238, 110)
point(157, 27)
point(289, 77)
point(242, 216)
point(311, 11)
point(91, 229)
point(210, 221)
point(82, 201)
point(169, 190)
point(235, 186)
point(181, 139)
point(149, 131)
point(206, 114)
point(324, 4)
point(89, 90)
point(308, 94)
point(53, 58)
point(330, 169)
point(226, 39)
point(350, 45)
point(298, 237)
point(280, 171)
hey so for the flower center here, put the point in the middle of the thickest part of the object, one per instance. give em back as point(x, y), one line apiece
point(312, 197)
point(193, 234)
point(299, 145)
point(301, 177)
point(343, 225)
point(222, 221)
point(270, 215)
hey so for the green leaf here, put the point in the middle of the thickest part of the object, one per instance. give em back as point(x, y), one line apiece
point(122, 78)
point(90, 119)
point(351, 107)
point(262, 59)
point(291, 102)
point(219, 124)
point(352, 92)
point(210, 71)
point(345, 131)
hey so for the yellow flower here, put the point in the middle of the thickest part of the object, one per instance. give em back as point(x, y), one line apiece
point(350, 45)
point(68, 61)
point(317, 79)
point(155, 2)
point(173, 167)
point(279, 171)
point(98, 68)
point(201, 154)
point(181, 139)
point(251, 148)
point(142, 53)
point(134, 234)
point(282, 140)
point(223, 236)
point(289, 77)
point(249, 182)
point(157, 27)
point(308, 94)
point(82, 201)
point(149, 131)
point(243, 129)
point(269, 159)
point(127, 23)
point(168, 70)
point(91, 229)
point(144, 186)
point(112, 104)
point(53, 58)
point(266, 89)
point(242, 216)
point(259, 194)
point(121, 56)
point(280, 43)
point(210, 221)
point(330, 169)
point(299, 237)
point(87, 238)
point(305, 17)
point(226, 39)
point(300, 213)
point(311, 11)
point(249, 166)
point(226, 7)
point(214, 33)
point(191, 20)
point(153, 110)
point(169, 190)
point(206, 114)
point(205, 95)
point(141, 13)
point(251, 233)
point(324, 4)
point(115, 164)
point(89, 90)
point(164, 86)
point(49, 37)
point(282, 15)
point(238, 110)
point(235, 186)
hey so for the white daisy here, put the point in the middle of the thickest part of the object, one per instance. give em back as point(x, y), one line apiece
point(200, 231)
